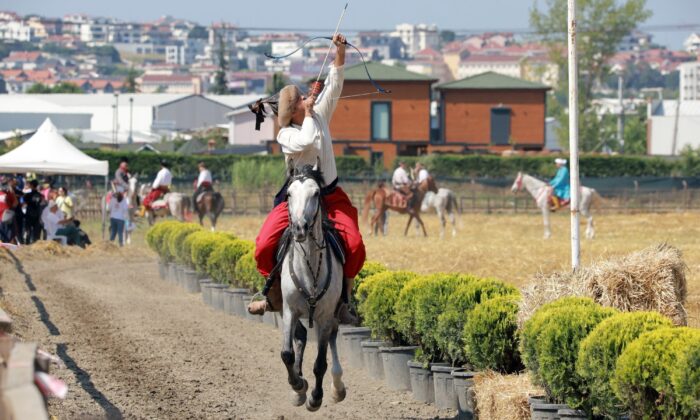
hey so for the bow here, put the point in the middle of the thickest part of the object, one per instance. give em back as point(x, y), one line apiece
point(362, 57)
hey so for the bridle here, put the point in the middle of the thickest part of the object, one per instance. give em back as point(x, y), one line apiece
point(313, 296)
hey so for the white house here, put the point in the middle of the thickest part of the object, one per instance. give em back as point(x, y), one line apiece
point(16, 31)
point(474, 64)
point(417, 37)
point(241, 127)
point(692, 43)
point(690, 81)
point(672, 126)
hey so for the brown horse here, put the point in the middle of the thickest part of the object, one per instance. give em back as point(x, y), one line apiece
point(383, 199)
point(211, 204)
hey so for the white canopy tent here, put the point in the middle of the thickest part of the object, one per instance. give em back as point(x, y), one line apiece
point(48, 152)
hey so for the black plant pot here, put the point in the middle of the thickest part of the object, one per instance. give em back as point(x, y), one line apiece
point(395, 361)
point(463, 383)
point(542, 410)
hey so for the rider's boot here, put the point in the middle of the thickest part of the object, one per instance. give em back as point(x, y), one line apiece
point(555, 203)
point(142, 211)
point(346, 312)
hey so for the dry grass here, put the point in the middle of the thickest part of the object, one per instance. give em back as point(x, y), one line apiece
point(510, 247)
point(503, 396)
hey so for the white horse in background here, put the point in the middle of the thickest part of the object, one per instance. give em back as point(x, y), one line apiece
point(445, 204)
point(171, 204)
point(133, 198)
point(541, 192)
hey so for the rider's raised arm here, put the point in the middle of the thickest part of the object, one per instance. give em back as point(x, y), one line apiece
point(328, 99)
point(293, 140)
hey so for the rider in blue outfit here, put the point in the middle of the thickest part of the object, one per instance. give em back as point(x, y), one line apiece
point(560, 184)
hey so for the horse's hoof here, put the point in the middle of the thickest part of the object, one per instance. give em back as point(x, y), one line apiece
point(299, 396)
point(312, 405)
point(338, 396)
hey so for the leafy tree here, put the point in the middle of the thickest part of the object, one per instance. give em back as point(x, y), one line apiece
point(39, 88)
point(7, 47)
point(220, 86)
point(601, 26)
point(278, 82)
point(198, 32)
point(446, 37)
point(130, 83)
point(106, 51)
point(62, 87)
point(636, 133)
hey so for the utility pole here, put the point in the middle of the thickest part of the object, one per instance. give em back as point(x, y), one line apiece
point(130, 140)
point(573, 136)
point(621, 115)
point(116, 119)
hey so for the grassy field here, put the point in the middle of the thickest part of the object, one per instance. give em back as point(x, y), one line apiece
point(511, 248)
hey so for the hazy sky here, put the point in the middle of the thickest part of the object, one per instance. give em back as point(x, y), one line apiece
point(362, 14)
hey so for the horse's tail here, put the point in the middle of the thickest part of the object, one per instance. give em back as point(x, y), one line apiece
point(452, 205)
point(218, 203)
point(597, 200)
point(365, 208)
point(186, 208)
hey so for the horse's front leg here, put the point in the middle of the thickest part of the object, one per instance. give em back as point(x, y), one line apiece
point(338, 391)
point(545, 218)
point(443, 222)
point(320, 367)
point(410, 218)
point(299, 347)
point(425, 233)
point(299, 384)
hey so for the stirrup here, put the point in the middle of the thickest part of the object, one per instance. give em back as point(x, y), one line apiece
point(259, 297)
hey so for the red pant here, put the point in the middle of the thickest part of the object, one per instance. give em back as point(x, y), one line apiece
point(155, 194)
point(340, 211)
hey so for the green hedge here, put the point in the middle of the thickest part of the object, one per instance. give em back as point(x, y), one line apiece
point(456, 166)
point(450, 324)
point(685, 378)
point(643, 374)
point(222, 261)
point(379, 294)
point(176, 239)
point(156, 234)
point(599, 352)
point(490, 335)
point(247, 274)
point(529, 335)
point(204, 245)
point(558, 348)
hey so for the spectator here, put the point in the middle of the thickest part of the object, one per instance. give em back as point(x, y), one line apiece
point(118, 214)
point(32, 217)
point(7, 213)
point(65, 203)
point(58, 227)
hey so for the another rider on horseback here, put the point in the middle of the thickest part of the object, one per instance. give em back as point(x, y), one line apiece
point(121, 175)
point(560, 185)
point(402, 183)
point(305, 138)
point(204, 182)
point(161, 186)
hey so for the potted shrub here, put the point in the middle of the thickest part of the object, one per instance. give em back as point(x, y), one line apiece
point(193, 277)
point(643, 374)
point(154, 239)
point(557, 351)
point(201, 250)
point(248, 278)
point(429, 302)
point(378, 294)
point(177, 238)
point(221, 266)
point(685, 378)
point(600, 350)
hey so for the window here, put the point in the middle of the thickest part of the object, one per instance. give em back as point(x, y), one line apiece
point(381, 121)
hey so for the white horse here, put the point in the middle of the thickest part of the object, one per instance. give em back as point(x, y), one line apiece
point(541, 192)
point(174, 204)
point(312, 279)
point(445, 203)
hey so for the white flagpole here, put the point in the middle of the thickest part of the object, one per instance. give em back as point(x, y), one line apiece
point(573, 138)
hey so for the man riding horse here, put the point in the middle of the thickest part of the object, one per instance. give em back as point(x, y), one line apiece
point(305, 139)
point(204, 182)
point(560, 185)
point(161, 186)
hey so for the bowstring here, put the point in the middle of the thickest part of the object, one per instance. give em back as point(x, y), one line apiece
point(330, 47)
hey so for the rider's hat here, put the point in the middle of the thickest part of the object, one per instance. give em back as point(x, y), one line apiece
point(164, 163)
point(560, 161)
point(289, 95)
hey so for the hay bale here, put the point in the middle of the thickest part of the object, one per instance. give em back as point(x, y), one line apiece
point(652, 279)
point(503, 396)
point(46, 249)
point(102, 247)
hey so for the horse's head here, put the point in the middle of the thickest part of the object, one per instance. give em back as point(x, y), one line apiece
point(133, 184)
point(304, 201)
point(518, 183)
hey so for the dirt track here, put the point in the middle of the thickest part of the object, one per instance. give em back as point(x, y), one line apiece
point(137, 347)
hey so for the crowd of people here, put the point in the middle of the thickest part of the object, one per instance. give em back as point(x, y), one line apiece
point(29, 213)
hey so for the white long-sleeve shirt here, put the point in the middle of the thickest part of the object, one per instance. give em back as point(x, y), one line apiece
point(423, 175)
point(204, 176)
point(164, 178)
point(51, 222)
point(400, 178)
point(312, 139)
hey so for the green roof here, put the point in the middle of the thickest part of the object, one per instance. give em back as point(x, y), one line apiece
point(491, 80)
point(382, 72)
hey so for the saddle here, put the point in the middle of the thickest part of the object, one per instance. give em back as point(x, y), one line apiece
point(159, 204)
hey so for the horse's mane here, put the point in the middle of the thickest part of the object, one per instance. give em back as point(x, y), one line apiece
point(308, 171)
